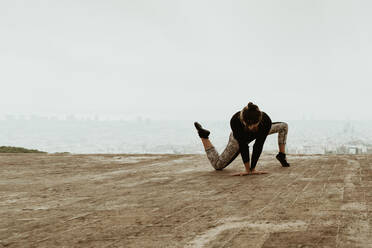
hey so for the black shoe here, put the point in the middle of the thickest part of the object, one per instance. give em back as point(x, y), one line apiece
point(203, 133)
point(281, 157)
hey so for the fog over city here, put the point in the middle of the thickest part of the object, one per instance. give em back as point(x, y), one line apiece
point(172, 61)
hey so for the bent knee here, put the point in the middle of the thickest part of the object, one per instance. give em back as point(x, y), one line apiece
point(219, 165)
point(285, 126)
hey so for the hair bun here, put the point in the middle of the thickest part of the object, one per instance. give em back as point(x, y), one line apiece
point(252, 106)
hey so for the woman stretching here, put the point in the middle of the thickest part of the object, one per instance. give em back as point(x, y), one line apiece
point(247, 125)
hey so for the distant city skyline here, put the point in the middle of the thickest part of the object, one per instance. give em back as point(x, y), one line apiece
point(186, 60)
point(119, 117)
point(149, 136)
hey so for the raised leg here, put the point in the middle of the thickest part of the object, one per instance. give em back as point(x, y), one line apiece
point(219, 162)
point(206, 143)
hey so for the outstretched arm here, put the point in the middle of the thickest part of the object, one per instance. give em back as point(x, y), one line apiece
point(257, 150)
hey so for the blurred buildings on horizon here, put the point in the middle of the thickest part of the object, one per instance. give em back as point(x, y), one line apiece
point(96, 134)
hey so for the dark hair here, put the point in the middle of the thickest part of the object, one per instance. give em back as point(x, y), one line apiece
point(250, 114)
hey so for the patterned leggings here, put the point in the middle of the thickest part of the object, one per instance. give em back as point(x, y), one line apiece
point(232, 149)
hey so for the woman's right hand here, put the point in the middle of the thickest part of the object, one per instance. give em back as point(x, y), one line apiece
point(244, 173)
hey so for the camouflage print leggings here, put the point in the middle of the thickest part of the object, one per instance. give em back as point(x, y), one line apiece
point(232, 149)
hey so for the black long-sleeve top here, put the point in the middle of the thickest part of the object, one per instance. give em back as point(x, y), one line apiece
point(244, 136)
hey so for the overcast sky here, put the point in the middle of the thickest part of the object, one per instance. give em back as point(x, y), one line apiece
point(189, 59)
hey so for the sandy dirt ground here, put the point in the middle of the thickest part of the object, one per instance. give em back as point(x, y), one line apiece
point(180, 201)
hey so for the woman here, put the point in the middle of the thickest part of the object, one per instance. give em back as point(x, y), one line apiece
point(247, 125)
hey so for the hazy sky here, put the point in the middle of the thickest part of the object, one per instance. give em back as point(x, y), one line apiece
point(189, 59)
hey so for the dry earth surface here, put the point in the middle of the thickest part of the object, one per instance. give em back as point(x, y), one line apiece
point(120, 200)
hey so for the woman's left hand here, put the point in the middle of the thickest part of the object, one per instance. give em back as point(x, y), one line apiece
point(244, 173)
